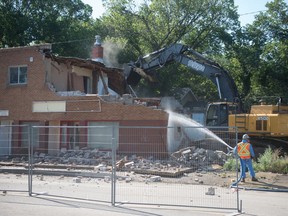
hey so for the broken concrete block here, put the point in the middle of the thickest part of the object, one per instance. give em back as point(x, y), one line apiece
point(129, 163)
point(107, 178)
point(100, 167)
point(41, 177)
point(211, 191)
point(120, 164)
point(41, 155)
point(128, 179)
point(155, 178)
point(186, 151)
point(77, 180)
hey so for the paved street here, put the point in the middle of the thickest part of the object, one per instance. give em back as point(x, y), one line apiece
point(57, 197)
point(19, 203)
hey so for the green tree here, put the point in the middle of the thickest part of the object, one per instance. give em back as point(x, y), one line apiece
point(257, 54)
point(37, 21)
point(272, 75)
point(200, 24)
point(13, 24)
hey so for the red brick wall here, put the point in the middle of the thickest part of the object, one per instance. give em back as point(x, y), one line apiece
point(145, 141)
point(19, 99)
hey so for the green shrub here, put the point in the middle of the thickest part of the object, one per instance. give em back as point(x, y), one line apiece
point(271, 161)
point(264, 161)
point(280, 166)
point(230, 164)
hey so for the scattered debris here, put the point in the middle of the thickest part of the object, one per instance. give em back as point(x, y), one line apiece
point(211, 191)
point(77, 180)
point(98, 164)
point(41, 177)
point(107, 179)
point(155, 179)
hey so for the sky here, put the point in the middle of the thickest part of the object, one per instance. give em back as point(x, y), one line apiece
point(246, 8)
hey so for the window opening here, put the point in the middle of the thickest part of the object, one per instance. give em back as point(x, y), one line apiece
point(18, 75)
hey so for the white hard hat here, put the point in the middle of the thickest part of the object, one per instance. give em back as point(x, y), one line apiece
point(245, 137)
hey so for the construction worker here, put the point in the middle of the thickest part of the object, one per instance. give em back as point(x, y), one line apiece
point(245, 152)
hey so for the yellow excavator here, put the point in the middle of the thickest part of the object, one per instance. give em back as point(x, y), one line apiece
point(263, 120)
point(267, 123)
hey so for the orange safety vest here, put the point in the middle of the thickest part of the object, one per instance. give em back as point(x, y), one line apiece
point(243, 150)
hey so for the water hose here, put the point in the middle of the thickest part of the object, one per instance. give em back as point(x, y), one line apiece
point(235, 184)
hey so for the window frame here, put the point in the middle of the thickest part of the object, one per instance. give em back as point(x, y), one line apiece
point(18, 75)
point(261, 125)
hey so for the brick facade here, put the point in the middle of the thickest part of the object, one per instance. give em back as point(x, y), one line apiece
point(18, 99)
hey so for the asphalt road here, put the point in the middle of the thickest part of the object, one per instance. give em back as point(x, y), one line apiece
point(253, 203)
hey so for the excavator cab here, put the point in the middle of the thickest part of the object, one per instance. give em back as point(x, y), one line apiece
point(217, 113)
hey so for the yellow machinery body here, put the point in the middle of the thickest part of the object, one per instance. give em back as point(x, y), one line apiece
point(263, 120)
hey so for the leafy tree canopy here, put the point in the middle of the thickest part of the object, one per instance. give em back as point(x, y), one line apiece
point(152, 25)
point(255, 54)
point(258, 54)
point(31, 21)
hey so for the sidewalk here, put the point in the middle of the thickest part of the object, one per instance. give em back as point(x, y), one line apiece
point(256, 203)
point(20, 204)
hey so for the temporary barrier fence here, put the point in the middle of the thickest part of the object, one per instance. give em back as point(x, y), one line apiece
point(175, 166)
point(184, 175)
point(14, 157)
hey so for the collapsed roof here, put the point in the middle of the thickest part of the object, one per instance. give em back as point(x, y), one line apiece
point(116, 78)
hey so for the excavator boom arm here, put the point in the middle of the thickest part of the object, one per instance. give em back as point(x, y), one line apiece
point(146, 66)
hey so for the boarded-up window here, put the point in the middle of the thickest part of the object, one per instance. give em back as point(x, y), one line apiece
point(49, 106)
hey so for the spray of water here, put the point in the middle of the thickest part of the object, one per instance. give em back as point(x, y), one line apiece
point(180, 126)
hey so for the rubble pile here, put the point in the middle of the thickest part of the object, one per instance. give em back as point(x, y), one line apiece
point(194, 164)
point(199, 157)
point(190, 157)
point(76, 157)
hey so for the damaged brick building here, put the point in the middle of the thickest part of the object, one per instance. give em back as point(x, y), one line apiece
point(42, 89)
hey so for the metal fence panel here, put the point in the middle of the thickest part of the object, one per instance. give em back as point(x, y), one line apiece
point(174, 176)
point(117, 164)
point(80, 170)
point(14, 154)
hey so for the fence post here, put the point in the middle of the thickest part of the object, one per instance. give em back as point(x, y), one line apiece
point(30, 153)
point(239, 205)
point(113, 174)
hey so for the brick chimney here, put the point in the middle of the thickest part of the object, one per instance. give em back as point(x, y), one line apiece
point(97, 50)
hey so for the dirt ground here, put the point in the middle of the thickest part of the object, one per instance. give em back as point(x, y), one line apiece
point(218, 177)
point(266, 180)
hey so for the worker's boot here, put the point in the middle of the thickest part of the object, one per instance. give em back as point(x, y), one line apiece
point(254, 179)
point(243, 180)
